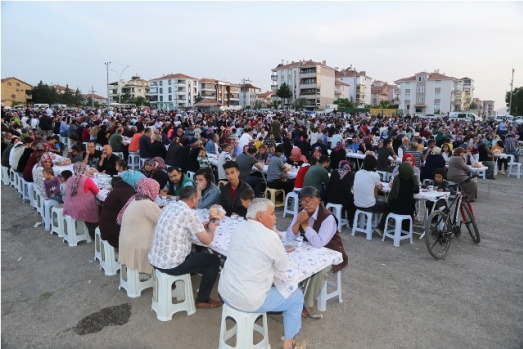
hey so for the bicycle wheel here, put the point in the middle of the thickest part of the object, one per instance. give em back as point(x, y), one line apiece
point(470, 222)
point(437, 238)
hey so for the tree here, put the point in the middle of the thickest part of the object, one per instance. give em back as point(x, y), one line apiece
point(198, 98)
point(258, 104)
point(473, 105)
point(344, 103)
point(43, 93)
point(275, 103)
point(517, 101)
point(284, 92)
point(384, 104)
point(300, 103)
point(139, 101)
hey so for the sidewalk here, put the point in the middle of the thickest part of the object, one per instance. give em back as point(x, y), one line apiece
point(55, 296)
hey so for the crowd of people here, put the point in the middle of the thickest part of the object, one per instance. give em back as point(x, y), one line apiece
point(177, 148)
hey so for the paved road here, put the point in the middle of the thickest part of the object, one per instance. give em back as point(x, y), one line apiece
point(55, 296)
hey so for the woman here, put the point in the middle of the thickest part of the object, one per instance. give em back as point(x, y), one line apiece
point(339, 190)
point(138, 220)
point(208, 192)
point(446, 152)
point(46, 160)
point(101, 135)
point(33, 160)
point(472, 156)
point(499, 148)
point(80, 198)
point(458, 171)
point(296, 158)
point(434, 160)
point(338, 154)
point(407, 158)
point(123, 189)
point(157, 149)
point(401, 197)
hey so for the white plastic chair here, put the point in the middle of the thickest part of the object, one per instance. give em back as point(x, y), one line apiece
point(396, 232)
point(337, 210)
point(325, 295)
point(163, 295)
point(514, 168)
point(243, 329)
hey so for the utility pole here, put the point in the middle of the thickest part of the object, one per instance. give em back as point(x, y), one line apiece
point(119, 82)
point(92, 95)
point(511, 90)
point(244, 91)
point(107, 64)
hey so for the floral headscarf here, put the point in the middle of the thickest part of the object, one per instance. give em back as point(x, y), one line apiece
point(158, 164)
point(344, 168)
point(79, 169)
point(409, 155)
point(339, 146)
point(45, 156)
point(147, 189)
point(132, 178)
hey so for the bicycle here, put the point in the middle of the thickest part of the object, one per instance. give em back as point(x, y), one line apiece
point(442, 225)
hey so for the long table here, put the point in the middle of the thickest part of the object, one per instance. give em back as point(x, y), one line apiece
point(305, 261)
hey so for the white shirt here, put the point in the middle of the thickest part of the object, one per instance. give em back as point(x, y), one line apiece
point(222, 159)
point(172, 237)
point(244, 140)
point(255, 254)
point(364, 184)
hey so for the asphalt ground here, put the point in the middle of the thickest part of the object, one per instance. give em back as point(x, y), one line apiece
point(55, 296)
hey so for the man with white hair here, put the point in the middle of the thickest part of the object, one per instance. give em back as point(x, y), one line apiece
point(255, 255)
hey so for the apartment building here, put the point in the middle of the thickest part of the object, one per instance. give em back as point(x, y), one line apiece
point(382, 91)
point(360, 85)
point(341, 90)
point(173, 91)
point(431, 93)
point(468, 93)
point(248, 94)
point(15, 90)
point(265, 97)
point(483, 108)
point(95, 98)
point(225, 93)
point(314, 81)
point(123, 91)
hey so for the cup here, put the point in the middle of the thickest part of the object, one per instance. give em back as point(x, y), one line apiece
point(299, 241)
point(431, 188)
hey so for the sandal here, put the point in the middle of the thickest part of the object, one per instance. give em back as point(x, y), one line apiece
point(299, 345)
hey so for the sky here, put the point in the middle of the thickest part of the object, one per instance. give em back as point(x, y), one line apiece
point(69, 42)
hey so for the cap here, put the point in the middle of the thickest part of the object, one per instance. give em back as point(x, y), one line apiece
point(309, 191)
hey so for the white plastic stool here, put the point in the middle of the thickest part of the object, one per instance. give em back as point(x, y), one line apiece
point(337, 210)
point(384, 175)
point(395, 233)
point(142, 162)
point(39, 203)
point(365, 224)
point(75, 231)
point(119, 154)
point(27, 191)
point(109, 262)
point(163, 295)
point(133, 162)
point(325, 295)
point(57, 220)
point(130, 281)
point(243, 329)
point(6, 178)
point(292, 195)
point(514, 168)
point(190, 174)
point(16, 181)
point(34, 198)
point(12, 178)
point(48, 205)
point(97, 245)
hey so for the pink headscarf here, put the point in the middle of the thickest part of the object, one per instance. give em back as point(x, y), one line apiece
point(147, 189)
point(296, 155)
point(45, 156)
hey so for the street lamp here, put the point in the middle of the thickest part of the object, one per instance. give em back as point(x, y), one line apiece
point(119, 88)
point(107, 67)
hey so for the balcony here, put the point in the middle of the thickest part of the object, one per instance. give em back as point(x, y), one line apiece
point(274, 87)
point(274, 77)
point(309, 85)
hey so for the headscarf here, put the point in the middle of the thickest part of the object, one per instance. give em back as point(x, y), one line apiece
point(405, 172)
point(78, 171)
point(409, 155)
point(158, 164)
point(338, 147)
point(344, 168)
point(44, 157)
point(147, 189)
point(296, 155)
point(132, 178)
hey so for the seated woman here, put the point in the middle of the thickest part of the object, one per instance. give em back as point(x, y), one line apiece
point(138, 220)
point(123, 189)
point(296, 158)
point(208, 192)
point(33, 160)
point(407, 158)
point(458, 171)
point(46, 161)
point(339, 190)
point(499, 147)
point(155, 168)
point(80, 198)
point(434, 160)
point(439, 183)
point(401, 197)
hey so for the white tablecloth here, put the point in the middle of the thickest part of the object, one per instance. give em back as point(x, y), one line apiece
point(305, 261)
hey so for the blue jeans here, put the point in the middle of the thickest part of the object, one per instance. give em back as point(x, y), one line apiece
point(202, 263)
point(291, 308)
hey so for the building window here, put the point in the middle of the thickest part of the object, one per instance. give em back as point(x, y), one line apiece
point(436, 107)
point(437, 95)
point(407, 96)
point(8, 84)
point(170, 90)
point(421, 89)
point(17, 84)
point(407, 85)
point(170, 98)
point(421, 78)
point(139, 90)
point(420, 99)
point(170, 82)
point(161, 90)
point(438, 83)
point(161, 98)
point(161, 83)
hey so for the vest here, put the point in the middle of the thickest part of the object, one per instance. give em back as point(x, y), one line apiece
point(335, 243)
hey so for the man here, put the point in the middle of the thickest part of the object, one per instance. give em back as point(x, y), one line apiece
point(73, 140)
point(107, 163)
point(92, 156)
point(230, 193)
point(177, 181)
point(145, 144)
point(366, 186)
point(245, 163)
point(75, 154)
point(255, 255)
point(246, 137)
point(276, 129)
point(46, 124)
point(405, 145)
point(386, 151)
point(223, 158)
point(171, 247)
point(116, 140)
point(322, 147)
point(211, 147)
point(318, 226)
point(276, 172)
point(134, 145)
point(54, 145)
point(7, 151)
point(317, 176)
point(511, 145)
point(430, 146)
point(16, 151)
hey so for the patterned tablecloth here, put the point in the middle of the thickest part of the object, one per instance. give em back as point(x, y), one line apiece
point(103, 182)
point(305, 261)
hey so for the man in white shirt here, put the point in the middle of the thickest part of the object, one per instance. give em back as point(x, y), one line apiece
point(246, 137)
point(224, 156)
point(255, 255)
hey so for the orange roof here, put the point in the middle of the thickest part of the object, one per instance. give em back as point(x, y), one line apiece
point(12, 77)
point(338, 82)
point(174, 76)
point(432, 76)
point(266, 94)
point(92, 95)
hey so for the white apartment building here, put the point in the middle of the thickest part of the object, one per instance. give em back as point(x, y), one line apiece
point(314, 81)
point(468, 93)
point(342, 90)
point(248, 94)
point(360, 85)
point(430, 93)
point(173, 91)
point(225, 93)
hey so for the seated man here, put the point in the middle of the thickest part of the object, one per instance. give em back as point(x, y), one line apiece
point(230, 193)
point(107, 163)
point(245, 163)
point(92, 156)
point(318, 177)
point(255, 254)
point(318, 226)
point(177, 180)
point(276, 177)
point(171, 247)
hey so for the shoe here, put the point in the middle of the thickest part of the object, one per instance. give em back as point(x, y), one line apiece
point(502, 172)
point(299, 345)
point(211, 304)
point(379, 232)
point(304, 312)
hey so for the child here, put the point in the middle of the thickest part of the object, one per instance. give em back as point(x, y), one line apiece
point(64, 176)
point(202, 159)
point(121, 167)
point(246, 197)
point(440, 184)
point(52, 185)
